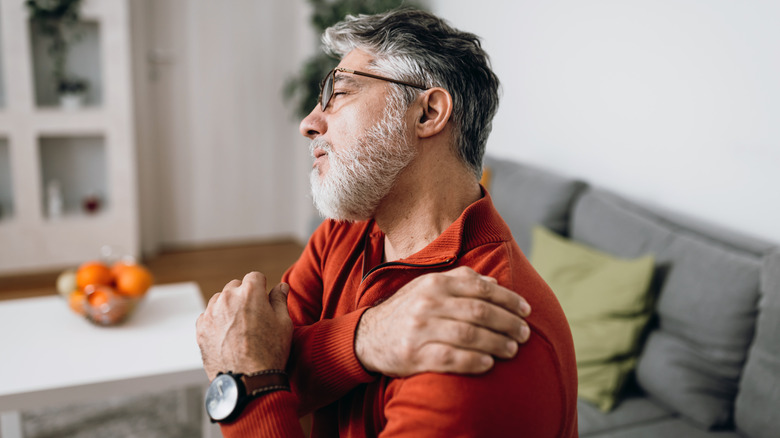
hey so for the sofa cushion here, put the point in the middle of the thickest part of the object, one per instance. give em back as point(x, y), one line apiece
point(706, 306)
point(630, 412)
point(605, 301)
point(667, 428)
point(759, 390)
point(527, 196)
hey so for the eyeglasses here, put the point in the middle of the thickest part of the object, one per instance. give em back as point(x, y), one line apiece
point(326, 87)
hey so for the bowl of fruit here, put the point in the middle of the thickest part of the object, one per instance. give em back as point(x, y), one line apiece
point(106, 294)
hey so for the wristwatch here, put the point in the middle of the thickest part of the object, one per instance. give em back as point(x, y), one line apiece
point(229, 392)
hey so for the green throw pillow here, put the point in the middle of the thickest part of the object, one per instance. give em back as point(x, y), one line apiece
point(607, 304)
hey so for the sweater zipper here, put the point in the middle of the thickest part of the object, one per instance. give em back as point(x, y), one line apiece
point(408, 265)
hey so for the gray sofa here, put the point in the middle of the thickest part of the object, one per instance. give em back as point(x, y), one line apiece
point(709, 364)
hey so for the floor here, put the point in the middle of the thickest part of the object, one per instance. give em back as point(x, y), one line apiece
point(210, 267)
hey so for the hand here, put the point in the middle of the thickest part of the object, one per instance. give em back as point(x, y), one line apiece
point(451, 322)
point(245, 330)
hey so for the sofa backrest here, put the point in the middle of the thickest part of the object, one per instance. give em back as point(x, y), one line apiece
point(758, 402)
point(706, 304)
point(527, 196)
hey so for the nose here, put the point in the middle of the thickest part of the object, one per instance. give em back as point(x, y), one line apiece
point(314, 124)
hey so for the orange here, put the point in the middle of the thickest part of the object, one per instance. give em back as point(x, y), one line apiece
point(76, 301)
point(99, 297)
point(134, 280)
point(119, 266)
point(94, 273)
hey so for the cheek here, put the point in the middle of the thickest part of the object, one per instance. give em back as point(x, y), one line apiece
point(344, 131)
point(352, 122)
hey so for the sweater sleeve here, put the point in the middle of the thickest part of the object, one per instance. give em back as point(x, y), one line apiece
point(532, 394)
point(519, 397)
point(322, 366)
point(271, 415)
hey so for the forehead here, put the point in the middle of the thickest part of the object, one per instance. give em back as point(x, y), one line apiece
point(356, 60)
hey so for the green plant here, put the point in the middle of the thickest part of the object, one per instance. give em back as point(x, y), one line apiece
point(304, 88)
point(57, 21)
point(72, 85)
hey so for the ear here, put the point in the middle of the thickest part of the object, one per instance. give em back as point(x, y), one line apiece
point(436, 109)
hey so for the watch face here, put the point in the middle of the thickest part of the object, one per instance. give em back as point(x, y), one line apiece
point(221, 397)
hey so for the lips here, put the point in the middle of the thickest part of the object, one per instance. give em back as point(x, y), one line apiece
point(319, 150)
point(320, 156)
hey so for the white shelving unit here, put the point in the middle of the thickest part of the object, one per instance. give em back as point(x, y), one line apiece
point(87, 151)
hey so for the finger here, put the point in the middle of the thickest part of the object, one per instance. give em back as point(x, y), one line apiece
point(198, 325)
point(254, 281)
point(504, 296)
point(461, 271)
point(487, 315)
point(462, 335)
point(213, 299)
point(443, 358)
point(488, 279)
point(278, 299)
point(476, 287)
point(232, 284)
point(253, 289)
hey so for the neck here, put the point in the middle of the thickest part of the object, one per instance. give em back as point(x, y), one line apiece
point(428, 197)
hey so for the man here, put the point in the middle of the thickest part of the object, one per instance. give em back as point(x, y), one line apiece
point(402, 303)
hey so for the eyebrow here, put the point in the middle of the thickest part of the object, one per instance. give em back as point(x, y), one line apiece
point(347, 79)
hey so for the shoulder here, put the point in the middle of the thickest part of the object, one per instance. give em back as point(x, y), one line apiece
point(504, 261)
point(533, 394)
point(336, 236)
point(541, 381)
point(328, 248)
point(329, 244)
point(330, 228)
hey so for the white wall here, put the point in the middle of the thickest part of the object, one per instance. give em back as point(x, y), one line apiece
point(674, 103)
point(221, 157)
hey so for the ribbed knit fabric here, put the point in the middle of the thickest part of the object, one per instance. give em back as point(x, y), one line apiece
point(273, 415)
point(340, 274)
point(329, 358)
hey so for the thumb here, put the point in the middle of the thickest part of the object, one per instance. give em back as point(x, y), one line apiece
point(278, 299)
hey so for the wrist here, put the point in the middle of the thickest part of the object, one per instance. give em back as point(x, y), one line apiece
point(362, 341)
point(266, 381)
point(229, 393)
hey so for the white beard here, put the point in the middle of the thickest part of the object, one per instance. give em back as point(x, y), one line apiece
point(360, 176)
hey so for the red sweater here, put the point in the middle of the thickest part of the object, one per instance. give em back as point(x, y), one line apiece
point(340, 274)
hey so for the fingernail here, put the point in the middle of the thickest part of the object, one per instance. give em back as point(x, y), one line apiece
point(487, 361)
point(285, 288)
point(511, 347)
point(525, 308)
point(525, 332)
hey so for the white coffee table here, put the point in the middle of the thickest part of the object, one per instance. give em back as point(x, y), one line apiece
point(51, 356)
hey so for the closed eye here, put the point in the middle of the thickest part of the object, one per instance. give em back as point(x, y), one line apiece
point(336, 94)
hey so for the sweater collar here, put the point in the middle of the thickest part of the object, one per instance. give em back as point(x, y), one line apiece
point(479, 224)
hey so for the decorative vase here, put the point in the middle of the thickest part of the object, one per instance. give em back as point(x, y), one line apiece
point(71, 101)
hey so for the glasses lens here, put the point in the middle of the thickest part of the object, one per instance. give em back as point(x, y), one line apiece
point(327, 90)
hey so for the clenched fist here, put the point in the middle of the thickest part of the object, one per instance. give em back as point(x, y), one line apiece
point(245, 330)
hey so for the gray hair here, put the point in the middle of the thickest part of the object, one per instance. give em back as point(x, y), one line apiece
point(418, 47)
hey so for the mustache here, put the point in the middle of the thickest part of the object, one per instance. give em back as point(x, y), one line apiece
point(319, 143)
